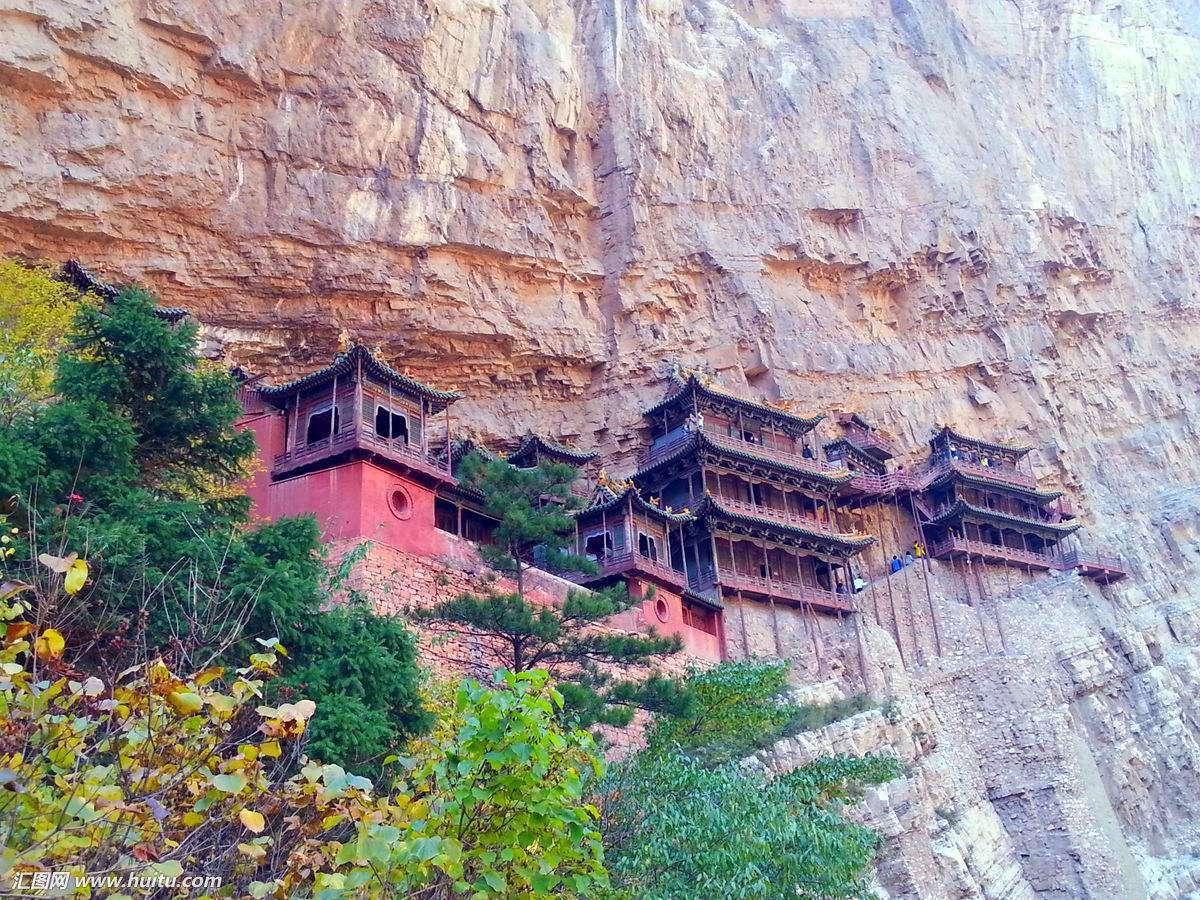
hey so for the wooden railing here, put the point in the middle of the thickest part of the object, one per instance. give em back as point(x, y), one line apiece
point(348, 438)
point(628, 560)
point(796, 460)
point(993, 551)
point(775, 515)
point(870, 440)
point(892, 483)
point(1086, 559)
point(782, 589)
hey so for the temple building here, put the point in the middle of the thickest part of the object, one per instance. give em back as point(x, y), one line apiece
point(977, 501)
point(350, 444)
point(860, 447)
point(629, 538)
point(763, 526)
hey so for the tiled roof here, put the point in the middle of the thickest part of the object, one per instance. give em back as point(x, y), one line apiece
point(345, 363)
point(701, 441)
point(533, 445)
point(605, 498)
point(962, 507)
point(83, 280)
point(998, 483)
point(712, 506)
point(979, 443)
point(687, 381)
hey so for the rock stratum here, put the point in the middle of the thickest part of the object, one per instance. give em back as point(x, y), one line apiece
point(981, 212)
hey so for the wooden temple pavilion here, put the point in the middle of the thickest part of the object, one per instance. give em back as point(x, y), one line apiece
point(350, 444)
point(860, 447)
point(534, 448)
point(764, 525)
point(358, 406)
point(978, 501)
point(638, 541)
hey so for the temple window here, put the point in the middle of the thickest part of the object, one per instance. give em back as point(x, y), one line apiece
point(319, 425)
point(445, 515)
point(596, 546)
point(647, 546)
point(389, 424)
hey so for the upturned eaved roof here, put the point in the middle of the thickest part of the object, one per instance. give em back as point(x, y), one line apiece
point(611, 496)
point(947, 432)
point(998, 483)
point(962, 507)
point(533, 445)
point(687, 382)
point(346, 363)
point(700, 441)
point(85, 281)
point(711, 506)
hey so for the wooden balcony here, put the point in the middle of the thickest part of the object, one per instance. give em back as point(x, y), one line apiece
point(658, 451)
point(1005, 474)
point(1098, 566)
point(871, 442)
point(790, 591)
point(884, 485)
point(631, 562)
point(772, 514)
point(349, 439)
point(993, 553)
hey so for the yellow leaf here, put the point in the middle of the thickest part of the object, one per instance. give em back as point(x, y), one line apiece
point(50, 644)
point(252, 851)
point(253, 821)
point(269, 748)
point(192, 819)
point(207, 675)
point(185, 702)
point(76, 577)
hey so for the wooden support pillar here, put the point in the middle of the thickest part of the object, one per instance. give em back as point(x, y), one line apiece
point(924, 563)
point(333, 412)
point(888, 582)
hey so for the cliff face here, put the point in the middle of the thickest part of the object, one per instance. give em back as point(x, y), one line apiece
point(978, 211)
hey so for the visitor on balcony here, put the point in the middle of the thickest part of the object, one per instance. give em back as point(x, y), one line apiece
point(808, 454)
point(896, 564)
point(860, 584)
point(918, 550)
point(908, 559)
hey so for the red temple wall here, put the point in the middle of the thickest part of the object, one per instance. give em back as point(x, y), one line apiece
point(362, 501)
point(269, 434)
point(665, 614)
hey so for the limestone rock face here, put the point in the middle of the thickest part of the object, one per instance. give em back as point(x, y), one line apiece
point(982, 212)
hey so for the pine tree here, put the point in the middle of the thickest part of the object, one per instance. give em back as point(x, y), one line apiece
point(532, 508)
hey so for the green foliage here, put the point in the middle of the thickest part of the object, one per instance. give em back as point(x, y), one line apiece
point(685, 817)
point(491, 805)
point(677, 828)
point(808, 717)
point(531, 508)
point(737, 707)
point(519, 634)
point(135, 461)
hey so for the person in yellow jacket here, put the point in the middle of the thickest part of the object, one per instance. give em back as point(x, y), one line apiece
point(918, 550)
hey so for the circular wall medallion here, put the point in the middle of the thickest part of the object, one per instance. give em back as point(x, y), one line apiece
point(400, 503)
point(662, 610)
